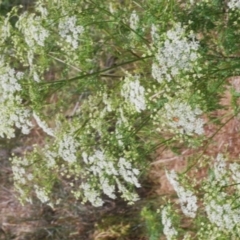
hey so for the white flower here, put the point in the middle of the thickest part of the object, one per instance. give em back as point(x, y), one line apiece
point(107, 102)
point(182, 118)
point(235, 169)
point(50, 157)
point(127, 172)
point(134, 20)
point(42, 124)
point(107, 188)
point(154, 34)
point(188, 200)
point(41, 193)
point(130, 197)
point(31, 26)
point(91, 195)
point(85, 157)
point(108, 174)
point(168, 229)
point(12, 113)
point(9, 79)
point(118, 134)
point(40, 8)
point(222, 214)
point(175, 55)
point(70, 31)
point(220, 169)
point(234, 4)
point(5, 29)
point(36, 77)
point(67, 148)
point(133, 92)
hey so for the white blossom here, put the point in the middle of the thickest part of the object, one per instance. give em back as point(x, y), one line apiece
point(129, 196)
point(108, 189)
point(42, 124)
point(91, 195)
point(67, 148)
point(108, 174)
point(41, 9)
point(235, 169)
point(169, 231)
point(19, 174)
point(188, 200)
point(220, 170)
point(50, 157)
point(154, 35)
point(128, 173)
point(182, 118)
point(5, 27)
point(12, 112)
point(41, 193)
point(221, 213)
point(107, 102)
point(70, 31)
point(118, 134)
point(176, 54)
point(36, 77)
point(9, 81)
point(134, 20)
point(234, 4)
point(133, 92)
point(34, 33)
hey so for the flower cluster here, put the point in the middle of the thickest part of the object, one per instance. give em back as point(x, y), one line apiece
point(220, 170)
point(92, 195)
point(50, 157)
point(220, 202)
point(40, 7)
point(235, 170)
point(108, 173)
point(169, 231)
point(188, 200)
point(107, 102)
point(234, 4)
point(31, 175)
point(12, 112)
point(67, 148)
point(154, 34)
point(31, 27)
point(5, 29)
point(128, 173)
point(133, 92)
point(20, 176)
point(134, 20)
point(180, 117)
point(221, 213)
point(70, 31)
point(19, 173)
point(41, 194)
point(43, 125)
point(175, 55)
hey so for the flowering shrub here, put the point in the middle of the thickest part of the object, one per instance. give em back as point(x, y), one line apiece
point(133, 78)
